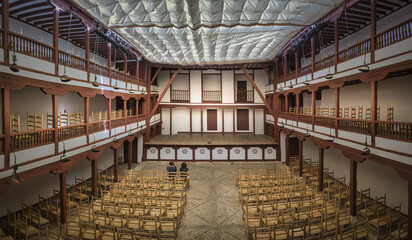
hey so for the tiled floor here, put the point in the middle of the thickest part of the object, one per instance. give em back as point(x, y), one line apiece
point(213, 210)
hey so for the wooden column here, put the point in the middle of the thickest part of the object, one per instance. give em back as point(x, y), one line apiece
point(254, 125)
point(149, 111)
point(287, 103)
point(86, 117)
point(94, 177)
point(223, 121)
point(373, 30)
point(320, 168)
point(410, 208)
point(55, 100)
point(285, 64)
point(353, 187)
point(116, 164)
point(170, 122)
point(63, 197)
point(336, 28)
point(296, 65)
point(129, 155)
point(337, 94)
point(125, 70)
point(312, 49)
point(109, 116)
point(109, 61)
point(201, 121)
point(190, 110)
point(55, 40)
point(374, 100)
point(125, 114)
point(6, 124)
point(313, 109)
point(297, 103)
point(300, 157)
point(87, 51)
point(234, 118)
point(287, 150)
point(134, 150)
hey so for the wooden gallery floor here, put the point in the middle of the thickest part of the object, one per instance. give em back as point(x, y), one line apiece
point(213, 210)
point(196, 139)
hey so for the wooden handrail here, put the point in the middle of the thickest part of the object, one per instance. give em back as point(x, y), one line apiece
point(354, 51)
point(404, 31)
point(31, 47)
point(70, 60)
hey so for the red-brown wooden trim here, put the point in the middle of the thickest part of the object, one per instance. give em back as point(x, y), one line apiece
point(336, 31)
point(63, 197)
point(190, 112)
point(164, 92)
point(320, 168)
point(234, 115)
point(170, 121)
point(116, 164)
point(374, 99)
point(109, 62)
point(86, 117)
point(109, 116)
point(353, 186)
point(129, 155)
point(373, 30)
point(56, 40)
point(87, 51)
point(94, 176)
point(154, 77)
point(6, 124)
point(201, 121)
point(55, 110)
point(287, 149)
point(223, 121)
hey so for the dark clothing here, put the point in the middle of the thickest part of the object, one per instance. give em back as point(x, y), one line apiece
point(184, 169)
point(172, 170)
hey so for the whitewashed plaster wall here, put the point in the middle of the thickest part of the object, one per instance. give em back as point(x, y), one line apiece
point(228, 95)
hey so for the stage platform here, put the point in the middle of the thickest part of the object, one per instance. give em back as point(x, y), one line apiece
point(213, 139)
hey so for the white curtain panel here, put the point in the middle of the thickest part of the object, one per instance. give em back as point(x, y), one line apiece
point(207, 32)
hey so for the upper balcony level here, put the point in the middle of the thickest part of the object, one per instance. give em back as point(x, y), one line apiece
point(64, 47)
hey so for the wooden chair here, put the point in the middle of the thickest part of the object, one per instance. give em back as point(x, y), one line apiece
point(25, 230)
point(11, 222)
point(73, 229)
point(262, 233)
point(253, 220)
point(389, 113)
point(107, 232)
point(63, 119)
point(280, 232)
point(168, 225)
point(368, 113)
point(89, 231)
point(360, 112)
point(38, 221)
point(325, 111)
point(353, 112)
point(34, 122)
point(14, 123)
point(53, 235)
point(150, 223)
point(346, 112)
point(401, 232)
point(49, 120)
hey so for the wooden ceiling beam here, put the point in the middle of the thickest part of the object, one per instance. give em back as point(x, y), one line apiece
point(34, 13)
point(29, 7)
point(17, 3)
point(368, 9)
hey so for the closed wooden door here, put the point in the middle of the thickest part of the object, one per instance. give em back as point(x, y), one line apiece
point(242, 119)
point(241, 91)
point(211, 119)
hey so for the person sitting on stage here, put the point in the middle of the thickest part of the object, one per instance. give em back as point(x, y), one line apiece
point(172, 169)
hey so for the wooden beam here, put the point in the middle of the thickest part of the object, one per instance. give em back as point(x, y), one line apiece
point(5, 25)
point(6, 125)
point(129, 155)
point(55, 110)
point(94, 177)
point(257, 90)
point(154, 77)
point(63, 197)
point(373, 29)
point(320, 168)
point(300, 157)
point(270, 77)
point(148, 102)
point(116, 164)
point(353, 186)
point(86, 117)
point(336, 31)
point(164, 92)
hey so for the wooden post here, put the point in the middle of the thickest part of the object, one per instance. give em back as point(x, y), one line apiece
point(223, 121)
point(300, 157)
point(297, 103)
point(109, 116)
point(94, 177)
point(313, 109)
point(287, 150)
point(336, 28)
point(190, 111)
point(373, 30)
point(109, 62)
point(320, 169)
point(312, 49)
point(287, 103)
point(285, 64)
point(148, 103)
point(129, 155)
point(125, 70)
point(234, 125)
point(170, 121)
point(86, 117)
point(353, 187)
point(254, 125)
point(56, 40)
point(125, 114)
point(87, 52)
point(374, 100)
point(6, 124)
point(201, 121)
point(55, 100)
point(116, 164)
point(63, 197)
point(296, 65)
point(410, 207)
point(337, 93)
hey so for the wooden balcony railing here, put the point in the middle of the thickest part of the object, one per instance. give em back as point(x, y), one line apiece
point(325, 121)
point(28, 139)
point(394, 130)
point(131, 119)
point(117, 122)
point(99, 70)
point(212, 96)
point(288, 77)
point(304, 71)
point(119, 75)
point(132, 79)
point(98, 126)
point(354, 51)
point(394, 34)
point(1, 38)
point(71, 131)
point(31, 47)
point(180, 95)
point(72, 61)
point(305, 118)
point(355, 125)
point(325, 63)
point(244, 96)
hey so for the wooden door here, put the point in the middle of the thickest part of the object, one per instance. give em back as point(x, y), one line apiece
point(241, 91)
point(211, 119)
point(242, 119)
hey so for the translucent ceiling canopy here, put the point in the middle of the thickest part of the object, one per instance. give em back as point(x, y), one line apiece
point(207, 31)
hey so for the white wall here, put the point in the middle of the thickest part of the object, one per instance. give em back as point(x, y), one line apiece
point(96, 104)
point(181, 82)
point(195, 86)
point(162, 80)
point(211, 82)
point(30, 100)
point(228, 95)
point(71, 103)
point(180, 120)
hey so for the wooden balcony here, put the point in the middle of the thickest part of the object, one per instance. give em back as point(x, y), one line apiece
point(244, 96)
point(182, 96)
point(212, 96)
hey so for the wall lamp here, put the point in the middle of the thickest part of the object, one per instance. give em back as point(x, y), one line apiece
point(14, 176)
point(13, 66)
point(94, 147)
point(366, 151)
point(63, 157)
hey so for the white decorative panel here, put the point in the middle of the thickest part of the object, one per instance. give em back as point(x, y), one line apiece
point(270, 153)
point(167, 153)
point(151, 153)
point(184, 154)
point(202, 154)
point(219, 154)
point(254, 153)
point(237, 154)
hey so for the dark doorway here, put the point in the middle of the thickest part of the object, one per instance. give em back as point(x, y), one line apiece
point(211, 119)
point(293, 147)
point(241, 91)
point(134, 151)
point(242, 119)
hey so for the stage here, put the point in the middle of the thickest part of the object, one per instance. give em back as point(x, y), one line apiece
point(211, 147)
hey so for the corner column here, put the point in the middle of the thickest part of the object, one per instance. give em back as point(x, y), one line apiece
point(6, 124)
point(116, 164)
point(353, 187)
point(94, 177)
point(63, 197)
point(320, 168)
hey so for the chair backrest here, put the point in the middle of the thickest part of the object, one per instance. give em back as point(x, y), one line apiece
point(360, 112)
point(389, 113)
point(62, 119)
point(49, 120)
point(14, 123)
point(34, 121)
